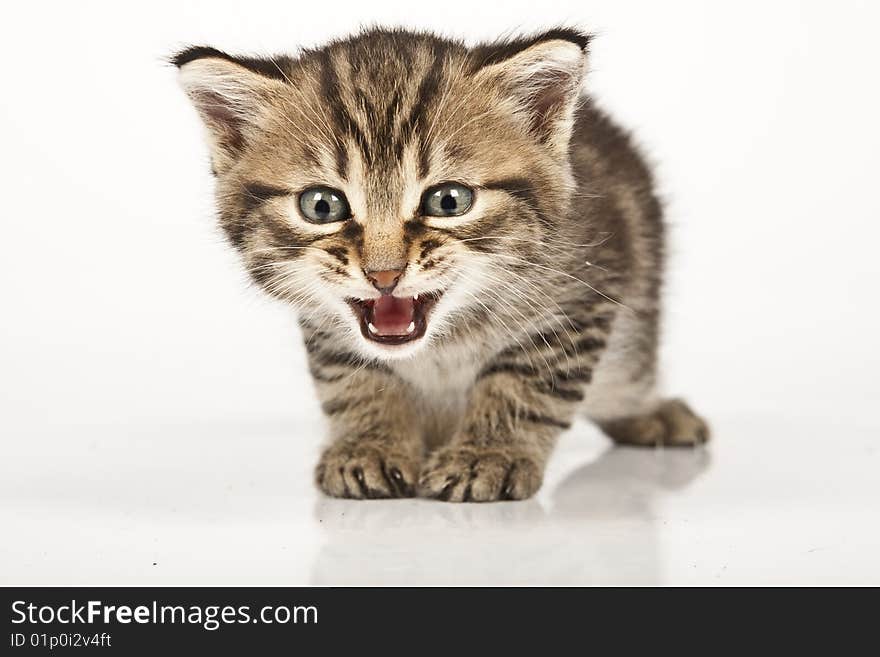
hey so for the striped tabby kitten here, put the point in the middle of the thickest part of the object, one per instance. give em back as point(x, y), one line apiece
point(474, 249)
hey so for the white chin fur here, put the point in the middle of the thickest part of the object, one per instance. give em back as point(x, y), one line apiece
point(391, 352)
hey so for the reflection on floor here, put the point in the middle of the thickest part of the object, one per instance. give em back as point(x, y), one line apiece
point(585, 534)
point(770, 500)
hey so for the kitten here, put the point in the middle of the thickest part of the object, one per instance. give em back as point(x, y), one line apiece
point(475, 251)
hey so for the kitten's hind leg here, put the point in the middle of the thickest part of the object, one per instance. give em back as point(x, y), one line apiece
point(672, 424)
point(622, 399)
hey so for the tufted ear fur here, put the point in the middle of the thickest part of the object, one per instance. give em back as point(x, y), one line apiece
point(231, 95)
point(541, 77)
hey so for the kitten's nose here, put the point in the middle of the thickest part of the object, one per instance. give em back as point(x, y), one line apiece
point(384, 281)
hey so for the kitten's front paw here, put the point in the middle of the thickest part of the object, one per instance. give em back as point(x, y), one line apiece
point(366, 472)
point(480, 474)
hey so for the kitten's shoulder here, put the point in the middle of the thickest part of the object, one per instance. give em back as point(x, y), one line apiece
point(600, 148)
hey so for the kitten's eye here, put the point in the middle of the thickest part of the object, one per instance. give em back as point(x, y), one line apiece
point(323, 205)
point(447, 200)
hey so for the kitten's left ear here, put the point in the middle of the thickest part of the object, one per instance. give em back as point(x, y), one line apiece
point(541, 77)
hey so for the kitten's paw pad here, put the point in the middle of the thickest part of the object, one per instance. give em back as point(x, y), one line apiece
point(673, 424)
point(467, 474)
point(366, 472)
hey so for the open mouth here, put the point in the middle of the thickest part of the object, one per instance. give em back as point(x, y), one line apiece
point(394, 320)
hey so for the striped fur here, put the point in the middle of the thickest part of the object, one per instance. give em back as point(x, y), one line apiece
point(550, 284)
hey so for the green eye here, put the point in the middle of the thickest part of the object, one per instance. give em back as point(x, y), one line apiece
point(323, 205)
point(447, 200)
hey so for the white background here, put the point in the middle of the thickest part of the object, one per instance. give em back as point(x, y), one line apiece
point(157, 421)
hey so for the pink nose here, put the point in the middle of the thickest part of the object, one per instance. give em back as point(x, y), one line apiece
point(384, 281)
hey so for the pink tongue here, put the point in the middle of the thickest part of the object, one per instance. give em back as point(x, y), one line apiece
point(392, 316)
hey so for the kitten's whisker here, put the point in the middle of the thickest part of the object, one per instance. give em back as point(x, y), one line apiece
point(448, 138)
point(542, 242)
point(274, 249)
point(547, 311)
point(541, 315)
point(443, 99)
point(330, 132)
point(493, 317)
point(565, 274)
point(509, 306)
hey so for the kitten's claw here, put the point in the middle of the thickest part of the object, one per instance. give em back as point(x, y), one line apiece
point(470, 474)
point(365, 472)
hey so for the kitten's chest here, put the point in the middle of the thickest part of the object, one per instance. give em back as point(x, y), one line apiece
point(442, 379)
point(441, 383)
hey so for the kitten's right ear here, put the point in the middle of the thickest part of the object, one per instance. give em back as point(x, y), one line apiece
point(230, 96)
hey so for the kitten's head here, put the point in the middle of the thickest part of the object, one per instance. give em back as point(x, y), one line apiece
point(395, 184)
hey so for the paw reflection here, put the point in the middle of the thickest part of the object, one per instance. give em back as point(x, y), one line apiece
point(594, 527)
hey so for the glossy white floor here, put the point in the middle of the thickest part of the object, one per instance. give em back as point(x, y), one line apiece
point(156, 422)
point(771, 501)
